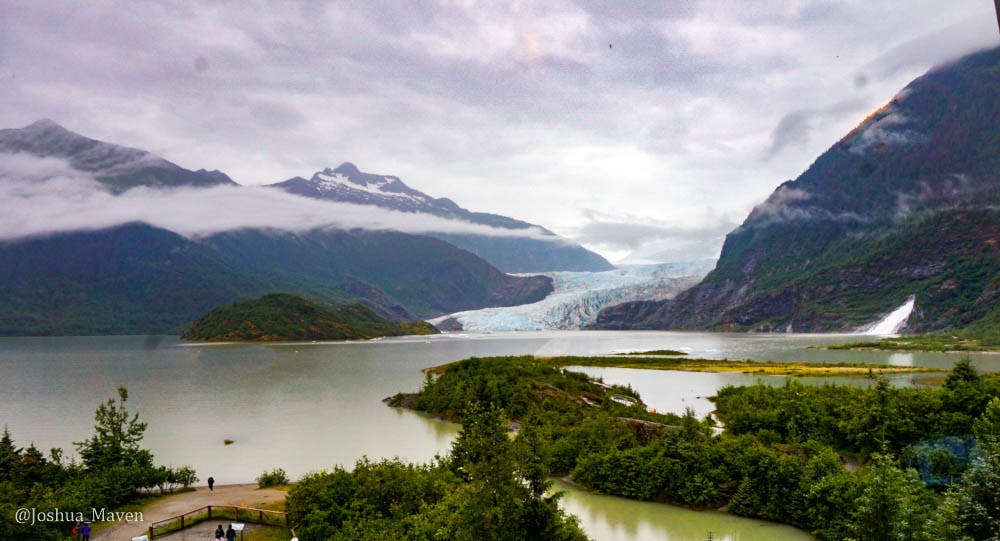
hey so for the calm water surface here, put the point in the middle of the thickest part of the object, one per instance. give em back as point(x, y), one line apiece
point(311, 406)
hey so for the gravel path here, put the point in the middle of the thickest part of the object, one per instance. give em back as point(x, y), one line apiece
point(245, 495)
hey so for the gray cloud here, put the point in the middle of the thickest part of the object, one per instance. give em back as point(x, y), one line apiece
point(520, 109)
point(796, 127)
point(646, 240)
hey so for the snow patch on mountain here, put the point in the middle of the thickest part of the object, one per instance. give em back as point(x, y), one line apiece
point(579, 296)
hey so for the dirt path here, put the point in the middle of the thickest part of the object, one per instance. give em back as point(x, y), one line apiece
point(244, 495)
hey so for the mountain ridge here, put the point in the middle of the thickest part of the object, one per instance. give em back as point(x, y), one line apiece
point(536, 253)
point(117, 167)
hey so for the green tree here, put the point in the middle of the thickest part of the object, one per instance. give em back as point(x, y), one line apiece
point(894, 504)
point(117, 437)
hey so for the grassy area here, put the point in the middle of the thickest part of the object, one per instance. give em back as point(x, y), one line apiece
point(773, 368)
point(267, 534)
point(766, 368)
point(923, 343)
point(665, 352)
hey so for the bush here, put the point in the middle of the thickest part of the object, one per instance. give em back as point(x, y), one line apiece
point(273, 478)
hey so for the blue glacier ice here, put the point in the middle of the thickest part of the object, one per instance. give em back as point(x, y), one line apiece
point(579, 296)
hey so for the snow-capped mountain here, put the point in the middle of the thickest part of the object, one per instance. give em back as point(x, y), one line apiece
point(579, 297)
point(348, 184)
point(117, 167)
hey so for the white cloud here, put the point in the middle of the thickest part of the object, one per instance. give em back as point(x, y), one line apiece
point(45, 195)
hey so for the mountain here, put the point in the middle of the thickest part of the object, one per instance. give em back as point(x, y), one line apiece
point(907, 204)
point(117, 167)
point(138, 279)
point(135, 278)
point(579, 296)
point(280, 316)
point(510, 254)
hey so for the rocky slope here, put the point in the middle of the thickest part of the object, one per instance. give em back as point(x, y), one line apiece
point(907, 204)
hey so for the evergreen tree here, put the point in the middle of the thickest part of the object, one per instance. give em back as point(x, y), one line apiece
point(116, 438)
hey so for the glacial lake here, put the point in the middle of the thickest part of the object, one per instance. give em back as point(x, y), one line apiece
point(311, 406)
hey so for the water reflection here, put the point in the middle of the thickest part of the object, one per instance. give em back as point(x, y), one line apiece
point(609, 518)
point(901, 359)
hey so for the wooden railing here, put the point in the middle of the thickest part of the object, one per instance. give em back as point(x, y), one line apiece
point(229, 513)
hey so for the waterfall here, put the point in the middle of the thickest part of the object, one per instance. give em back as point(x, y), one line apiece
point(892, 323)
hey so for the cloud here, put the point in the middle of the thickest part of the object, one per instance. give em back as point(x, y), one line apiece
point(514, 108)
point(938, 46)
point(643, 240)
point(796, 127)
point(45, 195)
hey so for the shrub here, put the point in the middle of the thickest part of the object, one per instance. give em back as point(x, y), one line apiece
point(275, 477)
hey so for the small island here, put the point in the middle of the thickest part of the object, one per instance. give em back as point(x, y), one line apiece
point(280, 317)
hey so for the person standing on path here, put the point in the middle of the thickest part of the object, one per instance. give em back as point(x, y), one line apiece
point(85, 530)
point(211, 484)
point(230, 533)
point(219, 533)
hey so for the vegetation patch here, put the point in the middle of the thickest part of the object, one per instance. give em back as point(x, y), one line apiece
point(664, 352)
point(770, 368)
point(930, 342)
point(920, 456)
point(281, 317)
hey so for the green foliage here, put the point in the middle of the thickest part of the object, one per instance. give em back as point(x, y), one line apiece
point(287, 317)
point(115, 470)
point(272, 478)
point(116, 438)
point(893, 505)
point(780, 457)
point(490, 488)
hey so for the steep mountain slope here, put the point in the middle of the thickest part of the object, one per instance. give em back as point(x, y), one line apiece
point(510, 254)
point(133, 279)
point(906, 204)
point(117, 167)
point(406, 276)
point(137, 279)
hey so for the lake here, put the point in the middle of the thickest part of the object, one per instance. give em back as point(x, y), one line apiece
point(310, 406)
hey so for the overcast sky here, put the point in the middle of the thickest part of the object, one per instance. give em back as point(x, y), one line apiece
point(637, 128)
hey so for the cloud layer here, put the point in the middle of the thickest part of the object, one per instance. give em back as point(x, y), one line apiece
point(44, 195)
point(532, 110)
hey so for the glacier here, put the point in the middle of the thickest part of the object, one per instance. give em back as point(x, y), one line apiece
point(578, 297)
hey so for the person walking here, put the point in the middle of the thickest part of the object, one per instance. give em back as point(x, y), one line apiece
point(211, 485)
point(85, 530)
point(230, 533)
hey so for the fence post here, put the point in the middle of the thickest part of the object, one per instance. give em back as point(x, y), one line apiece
point(260, 517)
point(151, 532)
point(182, 522)
point(209, 512)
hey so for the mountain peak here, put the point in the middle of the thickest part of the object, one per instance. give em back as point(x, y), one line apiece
point(44, 124)
point(347, 169)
